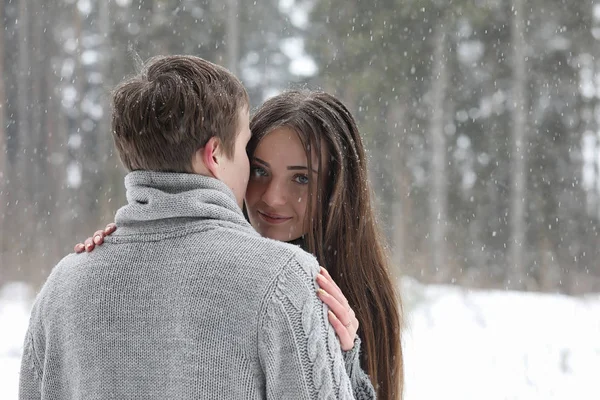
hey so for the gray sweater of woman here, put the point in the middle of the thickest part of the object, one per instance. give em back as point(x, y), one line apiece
point(187, 301)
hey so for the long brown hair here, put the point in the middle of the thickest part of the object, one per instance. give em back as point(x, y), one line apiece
point(343, 234)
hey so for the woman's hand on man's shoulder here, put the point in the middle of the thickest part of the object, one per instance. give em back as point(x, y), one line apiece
point(96, 240)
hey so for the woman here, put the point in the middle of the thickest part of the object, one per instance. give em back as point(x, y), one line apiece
point(308, 185)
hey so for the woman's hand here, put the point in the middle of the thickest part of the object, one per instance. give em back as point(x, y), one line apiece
point(97, 239)
point(341, 316)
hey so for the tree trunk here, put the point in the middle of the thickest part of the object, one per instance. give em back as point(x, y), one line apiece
point(438, 207)
point(4, 175)
point(23, 213)
point(24, 96)
point(401, 207)
point(56, 140)
point(79, 196)
point(37, 133)
point(232, 35)
point(518, 151)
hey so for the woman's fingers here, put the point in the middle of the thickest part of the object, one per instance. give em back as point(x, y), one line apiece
point(110, 228)
point(339, 295)
point(341, 312)
point(89, 244)
point(331, 288)
point(341, 316)
point(96, 240)
point(346, 340)
point(98, 237)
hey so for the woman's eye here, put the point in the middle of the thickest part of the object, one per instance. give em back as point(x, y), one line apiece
point(301, 179)
point(258, 172)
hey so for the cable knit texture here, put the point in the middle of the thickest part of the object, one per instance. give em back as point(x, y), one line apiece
point(185, 301)
point(361, 383)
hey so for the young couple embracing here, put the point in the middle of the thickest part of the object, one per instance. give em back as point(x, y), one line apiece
point(209, 284)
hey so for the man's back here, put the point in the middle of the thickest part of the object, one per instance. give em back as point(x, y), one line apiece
point(185, 301)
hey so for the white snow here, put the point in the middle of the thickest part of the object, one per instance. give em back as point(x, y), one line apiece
point(459, 344)
point(302, 64)
point(15, 303)
point(470, 51)
point(73, 175)
point(84, 6)
point(464, 344)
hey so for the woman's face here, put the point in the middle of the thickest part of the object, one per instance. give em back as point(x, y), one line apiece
point(277, 193)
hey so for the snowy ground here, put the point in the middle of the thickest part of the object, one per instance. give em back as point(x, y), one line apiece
point(459, 344)
point(464, 344)
point(15, 303)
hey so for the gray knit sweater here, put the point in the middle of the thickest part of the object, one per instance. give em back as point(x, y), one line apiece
point(186, 302)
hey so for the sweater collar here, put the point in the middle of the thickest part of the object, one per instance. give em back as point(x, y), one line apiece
point(159, 198)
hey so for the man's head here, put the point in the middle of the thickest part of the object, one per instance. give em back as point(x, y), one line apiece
point(184, 114)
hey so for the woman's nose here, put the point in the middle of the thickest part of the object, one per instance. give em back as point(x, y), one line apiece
point(274, 195)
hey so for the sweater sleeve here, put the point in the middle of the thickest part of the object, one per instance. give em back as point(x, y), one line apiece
point(30, 377)
point(361, 384)
point(298, 349)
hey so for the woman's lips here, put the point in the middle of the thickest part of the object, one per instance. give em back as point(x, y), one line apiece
point(273, 219)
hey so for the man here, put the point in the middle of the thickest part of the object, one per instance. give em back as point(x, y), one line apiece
point(188, 301)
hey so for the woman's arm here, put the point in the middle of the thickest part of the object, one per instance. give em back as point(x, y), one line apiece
point(344, 322)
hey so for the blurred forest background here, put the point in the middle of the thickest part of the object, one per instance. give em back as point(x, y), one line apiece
point(481, 118)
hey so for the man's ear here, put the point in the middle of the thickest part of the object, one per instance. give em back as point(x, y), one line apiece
point(212, 156)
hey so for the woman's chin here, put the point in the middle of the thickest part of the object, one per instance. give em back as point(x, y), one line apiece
point(275, 235)
point(280, 233)
point(281, 237)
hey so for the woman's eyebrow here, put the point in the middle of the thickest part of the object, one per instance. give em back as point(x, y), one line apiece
point(299, 168)
point(290, 167)
point(266, 164)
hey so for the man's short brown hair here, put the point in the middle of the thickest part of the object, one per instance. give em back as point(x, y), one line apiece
point(169, 110)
